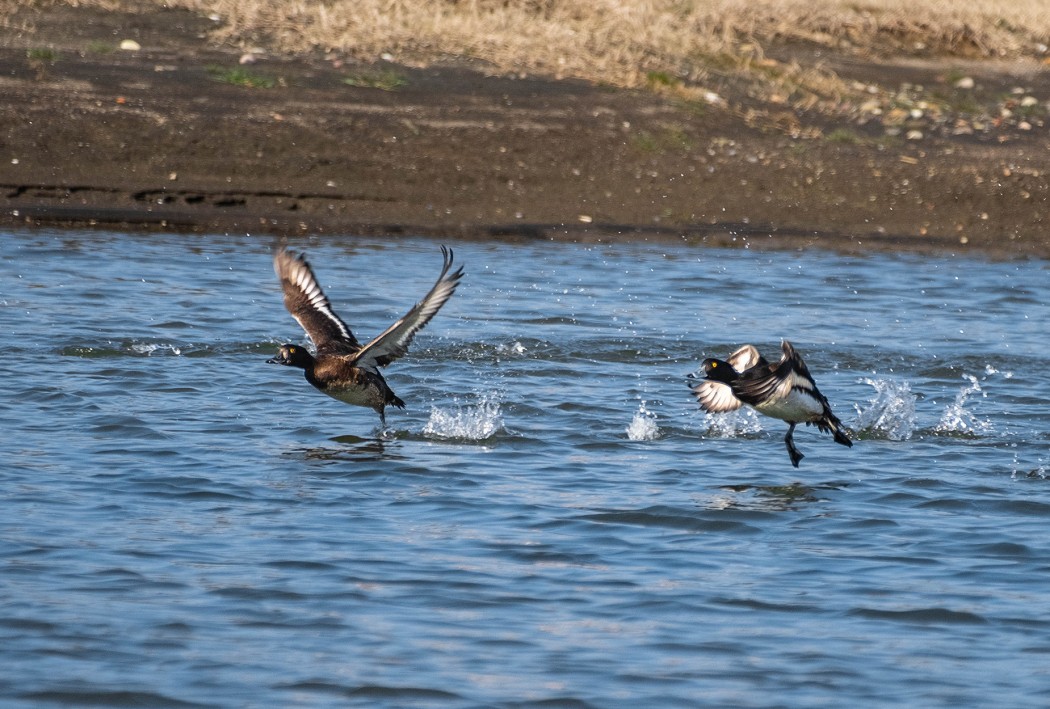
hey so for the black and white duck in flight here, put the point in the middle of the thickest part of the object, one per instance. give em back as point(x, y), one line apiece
point(342, 367)
point(784, 390)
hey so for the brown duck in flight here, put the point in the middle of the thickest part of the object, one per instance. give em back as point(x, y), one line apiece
point(342, 367)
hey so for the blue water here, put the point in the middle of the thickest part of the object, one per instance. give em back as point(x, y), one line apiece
point(551, 522)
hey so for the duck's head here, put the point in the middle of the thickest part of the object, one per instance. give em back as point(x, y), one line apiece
point(718, 370)
point(292, 356)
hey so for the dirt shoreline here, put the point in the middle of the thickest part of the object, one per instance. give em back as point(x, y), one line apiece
point(153, 139)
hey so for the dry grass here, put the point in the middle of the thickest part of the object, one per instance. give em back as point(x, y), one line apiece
point(621, 42)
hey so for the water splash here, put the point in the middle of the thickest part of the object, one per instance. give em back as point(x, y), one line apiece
point(1019, 471)
point(513, 349)
point(492, 352)
point(470, 422)
point(643, 426)
point(148, 348)
point(891, 413)
point(742, 422)
point(956, 419)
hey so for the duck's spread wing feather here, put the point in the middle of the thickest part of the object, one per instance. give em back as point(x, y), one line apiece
point(717, 397)
point(774, 382)
point(394, 341)
point(760, 388)
point(714, 397)
point(308, 304)
point(745, 358)
point(774, 385)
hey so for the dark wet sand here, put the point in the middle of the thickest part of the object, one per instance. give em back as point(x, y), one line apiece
point(151, 139)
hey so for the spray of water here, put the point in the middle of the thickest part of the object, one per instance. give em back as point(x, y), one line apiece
point(891, 413)
point(1020, 471)
point(956, 418)
point(146, 348)
point(469, 422)
point(742, 422)
point(512, 349)
point(643, 426)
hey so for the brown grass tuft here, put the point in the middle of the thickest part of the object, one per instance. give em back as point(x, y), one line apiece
point(620, 42)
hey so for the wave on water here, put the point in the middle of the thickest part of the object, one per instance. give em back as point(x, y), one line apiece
point(956, 418)
point(468, 422)
point(891, 413)
point(643, 426)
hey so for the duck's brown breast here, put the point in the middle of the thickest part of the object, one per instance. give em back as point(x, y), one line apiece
point(341, 380)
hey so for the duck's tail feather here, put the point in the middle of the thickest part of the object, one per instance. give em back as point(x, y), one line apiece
point(831, 424)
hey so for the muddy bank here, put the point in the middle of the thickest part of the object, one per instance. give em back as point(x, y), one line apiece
point(179, 135)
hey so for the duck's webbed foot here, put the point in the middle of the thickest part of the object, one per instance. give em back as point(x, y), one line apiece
point(794, 453)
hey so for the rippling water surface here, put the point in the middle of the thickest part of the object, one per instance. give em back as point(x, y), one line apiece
point(551, 522)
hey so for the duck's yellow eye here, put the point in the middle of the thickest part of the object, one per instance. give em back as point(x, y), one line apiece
point(714, 364)
point(291, 350)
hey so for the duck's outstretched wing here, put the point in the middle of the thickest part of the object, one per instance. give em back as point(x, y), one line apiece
point(394, 341)
point(717, 397)
point(776, 381)
point(745, 358)
point(308, 304)
point(714, 397)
